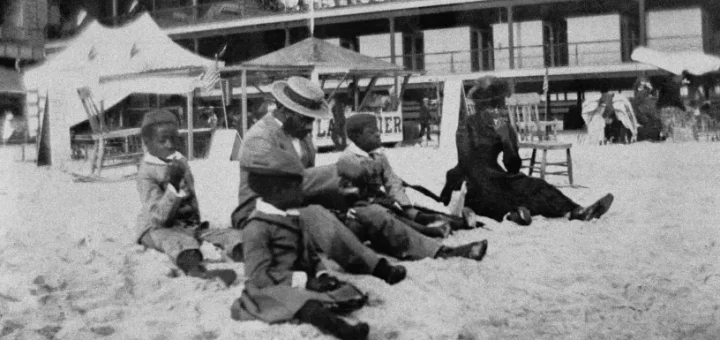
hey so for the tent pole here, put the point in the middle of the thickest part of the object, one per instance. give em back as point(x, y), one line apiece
point(243, 101)
point(224, 100)
point(190, 145)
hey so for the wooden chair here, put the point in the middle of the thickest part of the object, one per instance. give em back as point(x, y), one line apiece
point(524, 117)
point(112, 148)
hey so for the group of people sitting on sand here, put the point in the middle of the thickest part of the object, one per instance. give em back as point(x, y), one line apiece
point(290, 210)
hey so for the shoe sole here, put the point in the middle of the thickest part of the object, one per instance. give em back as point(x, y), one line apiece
point(600, 207)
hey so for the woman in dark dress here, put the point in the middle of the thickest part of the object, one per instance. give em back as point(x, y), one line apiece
point(494, 191)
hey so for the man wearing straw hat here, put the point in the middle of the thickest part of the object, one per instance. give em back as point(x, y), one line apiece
point(287, 131)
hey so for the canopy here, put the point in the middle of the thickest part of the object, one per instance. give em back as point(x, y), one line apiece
point(113, 62)
point(696, 63)
point(10, 81)
point(323, 57)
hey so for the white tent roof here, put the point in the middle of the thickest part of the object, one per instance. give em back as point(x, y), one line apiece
point(137, 50)
point(137, 47)
point(113, 62)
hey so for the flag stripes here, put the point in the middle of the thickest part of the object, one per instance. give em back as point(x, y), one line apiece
point(208, 79)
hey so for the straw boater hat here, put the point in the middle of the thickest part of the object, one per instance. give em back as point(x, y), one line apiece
point(302, 96)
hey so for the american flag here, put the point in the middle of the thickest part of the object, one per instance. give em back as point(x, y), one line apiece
point(546, 83)
point(207, 80)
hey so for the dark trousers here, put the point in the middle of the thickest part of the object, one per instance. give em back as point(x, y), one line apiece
point(425, 126)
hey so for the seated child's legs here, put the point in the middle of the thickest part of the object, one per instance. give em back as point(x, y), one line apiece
point(228, 239)
point(184, 250)
point(390, 235)
point(170, 241)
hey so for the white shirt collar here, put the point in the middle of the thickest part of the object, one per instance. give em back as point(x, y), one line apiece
point(148, 158)
point(277, 120)
point(360, 152)
point(270, 209)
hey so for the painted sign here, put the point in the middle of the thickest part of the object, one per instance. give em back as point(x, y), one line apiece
point(389, 124)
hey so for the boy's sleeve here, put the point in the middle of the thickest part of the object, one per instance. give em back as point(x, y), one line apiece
point(393, 184)
point(258, 257)
point(161, 204)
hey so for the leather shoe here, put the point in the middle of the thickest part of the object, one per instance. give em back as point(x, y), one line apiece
point(474, 251)
point(389, 273)
point(595, 210)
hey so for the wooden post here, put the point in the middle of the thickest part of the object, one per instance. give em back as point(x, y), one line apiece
point(196, 45)
point(511, 37)
point(194, 10)
point(287, 36)
point(641, 22)
point(190, 142)
point(393, 59)
point(243, 101)
point(115, 11)
point(356, 93)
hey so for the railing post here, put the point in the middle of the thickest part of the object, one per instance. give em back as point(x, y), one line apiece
point(452, 62)
point(194, 10)
point(577, 58)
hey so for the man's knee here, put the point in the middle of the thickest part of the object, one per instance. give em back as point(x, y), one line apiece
point(373, 215)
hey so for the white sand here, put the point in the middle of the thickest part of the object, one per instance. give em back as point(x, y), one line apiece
point(649, 269)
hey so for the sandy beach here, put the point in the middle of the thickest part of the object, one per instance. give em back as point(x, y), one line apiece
point(649, 269)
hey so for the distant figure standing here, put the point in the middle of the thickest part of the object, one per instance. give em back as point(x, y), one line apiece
point(425, 118)
point(338, 135)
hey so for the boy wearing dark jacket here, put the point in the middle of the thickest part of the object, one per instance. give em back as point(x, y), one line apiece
point(286, 281)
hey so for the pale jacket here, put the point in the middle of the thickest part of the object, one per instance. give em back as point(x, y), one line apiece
point(162, 205)
point(381, 172)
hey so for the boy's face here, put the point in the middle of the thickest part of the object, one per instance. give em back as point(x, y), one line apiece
point(162, 144)
point(369, 139)
point(291, 195)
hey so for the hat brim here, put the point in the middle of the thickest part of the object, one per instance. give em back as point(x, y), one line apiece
point(278, 91)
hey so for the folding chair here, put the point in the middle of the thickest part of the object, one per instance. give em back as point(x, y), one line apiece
point(112, 148)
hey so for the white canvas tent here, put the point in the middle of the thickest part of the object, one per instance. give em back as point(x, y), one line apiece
point(113, 62)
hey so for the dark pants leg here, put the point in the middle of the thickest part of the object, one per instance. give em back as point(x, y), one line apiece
point(334, 239)
point(389, 235)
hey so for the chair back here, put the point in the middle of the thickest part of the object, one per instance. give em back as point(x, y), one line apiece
point(96, 116)
point(525, 116)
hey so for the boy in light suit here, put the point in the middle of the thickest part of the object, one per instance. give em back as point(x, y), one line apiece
point(169, 220)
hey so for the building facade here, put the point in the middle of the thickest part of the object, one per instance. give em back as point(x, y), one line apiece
point(580, 42)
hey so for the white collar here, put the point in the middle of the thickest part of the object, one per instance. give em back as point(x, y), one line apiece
point(360, 152)
point(270, 209)
point(148, 158)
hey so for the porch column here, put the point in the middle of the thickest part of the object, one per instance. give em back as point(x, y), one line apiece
point(190, 115)
point(641, 21)
point(511, 37)
point(194, 9)
point(287, 36)
point(393, 59)
point(196, 45)
point(392, 40)
point(115, 11)
point(243, 102)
